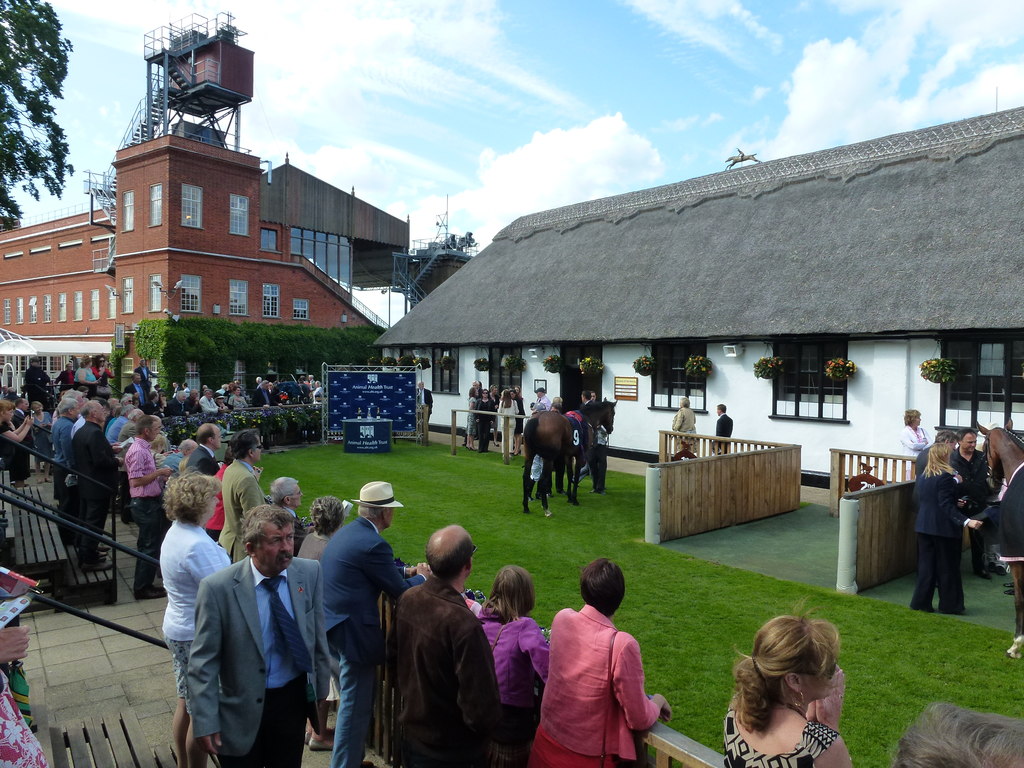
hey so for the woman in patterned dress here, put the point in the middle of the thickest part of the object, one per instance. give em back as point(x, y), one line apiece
point(788, 698)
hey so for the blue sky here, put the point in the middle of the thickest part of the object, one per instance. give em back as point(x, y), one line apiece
point(507, 108)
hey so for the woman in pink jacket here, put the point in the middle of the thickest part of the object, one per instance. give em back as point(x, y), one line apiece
point(595, 698)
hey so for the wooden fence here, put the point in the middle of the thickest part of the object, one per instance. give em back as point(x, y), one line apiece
point(886, 542)
point(845, 464)
point(667, 746)
point(706, 445)
point(714, 492)
point(503, 424)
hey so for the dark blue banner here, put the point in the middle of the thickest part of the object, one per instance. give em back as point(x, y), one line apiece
point(389, 395)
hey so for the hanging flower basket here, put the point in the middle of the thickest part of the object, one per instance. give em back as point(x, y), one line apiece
point(407, 360)
point(697, 365)
point(938, 370)
point(591, 365)
point(447, 363)
point(644, 365)
point(840, 369)
point(514, 363)
point(374, 360)
point(423, 363)
point(552, 363)
point(768, 368)
point(388, 360)
point(482, 364)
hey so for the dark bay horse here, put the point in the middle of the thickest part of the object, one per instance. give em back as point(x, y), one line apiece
point(1005, 455)
point(549, 436)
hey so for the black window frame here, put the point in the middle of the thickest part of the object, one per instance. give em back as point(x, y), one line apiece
point(500, 375)
point(975, 376)
point(670, 379)
point(442, 381)
point(803, 373)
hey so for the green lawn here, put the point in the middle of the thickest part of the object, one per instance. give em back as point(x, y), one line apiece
point(690, 616)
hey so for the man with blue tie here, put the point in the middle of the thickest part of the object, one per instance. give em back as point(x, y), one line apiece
point(137, 388)
point(358, 565)
point(145, 375)
point(259, 661)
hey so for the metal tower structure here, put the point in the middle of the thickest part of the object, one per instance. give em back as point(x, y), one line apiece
point(430, 262)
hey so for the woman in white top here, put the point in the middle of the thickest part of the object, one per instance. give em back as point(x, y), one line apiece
point(507, 407)
point(187, 555)
point(914, 438)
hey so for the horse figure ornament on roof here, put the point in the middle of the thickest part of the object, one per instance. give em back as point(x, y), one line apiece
point(1005, 455)
point(549, 438)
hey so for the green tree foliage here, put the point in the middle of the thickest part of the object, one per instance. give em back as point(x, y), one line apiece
point(33, 65)
point(215, 344)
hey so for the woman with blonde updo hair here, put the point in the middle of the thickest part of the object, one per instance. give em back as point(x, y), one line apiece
point(187, 555)
point(788, 699)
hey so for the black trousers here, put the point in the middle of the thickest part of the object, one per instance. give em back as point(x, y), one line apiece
point(598, 460)
point(94, 512)
point(938, 565)
point(279, 741)
point(67, 502)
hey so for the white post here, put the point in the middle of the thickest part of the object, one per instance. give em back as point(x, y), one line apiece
point(846, 567)
point(652, 505)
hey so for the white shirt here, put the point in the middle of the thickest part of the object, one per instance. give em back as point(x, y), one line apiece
point(187, 555)
point(208, 405)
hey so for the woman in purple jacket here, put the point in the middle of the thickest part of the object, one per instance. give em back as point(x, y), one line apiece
point(520, 656)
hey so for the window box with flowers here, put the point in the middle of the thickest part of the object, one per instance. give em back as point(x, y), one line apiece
point(840, 369)
point(645, 365)
point(482, 364)
point(514, 364)
point(938, 370)
point(768, 368)
point(552, 363)
point(698, 365)
point(591, 365)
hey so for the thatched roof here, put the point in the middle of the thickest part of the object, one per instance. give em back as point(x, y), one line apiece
point(889, 236)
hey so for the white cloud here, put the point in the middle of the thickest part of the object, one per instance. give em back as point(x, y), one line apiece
point(759, 92)
point(555, 168)
point(680, 123)
point(713, 118)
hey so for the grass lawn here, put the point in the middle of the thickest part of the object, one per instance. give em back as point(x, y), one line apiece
point(689, 616)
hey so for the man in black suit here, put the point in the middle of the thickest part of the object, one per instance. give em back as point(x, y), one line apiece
point(176, 407)
point(97, 480)
point(266, 394)
point(203, 459)
point(21, 466)
point(723, 428)
point(425, 398)
point(137, 388)
point(145, 375)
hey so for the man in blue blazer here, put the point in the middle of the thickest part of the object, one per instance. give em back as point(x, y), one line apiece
point(253, 673)
point(358, 565)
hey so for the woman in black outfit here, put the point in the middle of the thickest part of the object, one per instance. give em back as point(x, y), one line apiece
point(484, 424)
point(517, 398)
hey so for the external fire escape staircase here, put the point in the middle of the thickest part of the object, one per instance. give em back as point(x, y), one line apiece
point(411, 271)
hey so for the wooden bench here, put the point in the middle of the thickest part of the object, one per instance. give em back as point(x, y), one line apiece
point(113, 741)
point(38, 551)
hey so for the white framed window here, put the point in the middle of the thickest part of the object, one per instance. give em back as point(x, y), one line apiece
point(19, 315)
point(7, 311)
point(94, 304)
point(47, 308)
point(128, 210)
point(239, 224)
point(156, 205)
point(240, 371)
point(238, 297)
point(192, 375)
point(78, 305)
point(271, 300)
point(300, 309)
point(154, 292)
point(191, 206)
point(127, 295)
point(191, 293)
point(33, 315)
point(62, 307)
point(111, 305)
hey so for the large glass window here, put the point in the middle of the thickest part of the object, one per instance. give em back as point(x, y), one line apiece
point(239, 224)
point(238, 297)
point(330, 253)
point(128, 295)
point(803, 390)
point(670, 382)
point(501, 375)
point(191, 206)
point(271, 300)
point(988, 387)
point(156, 205)
point(128, 210)
point(191, 293)
point(442, 380)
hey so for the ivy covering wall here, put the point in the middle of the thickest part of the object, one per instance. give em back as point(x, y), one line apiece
point(215, 344)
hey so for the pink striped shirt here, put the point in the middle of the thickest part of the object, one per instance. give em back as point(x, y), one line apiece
point(139, 462)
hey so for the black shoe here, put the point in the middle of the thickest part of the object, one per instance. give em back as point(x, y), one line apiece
point(102, 565)
point(1008, 591)
point(150, 593)
point(957, 612)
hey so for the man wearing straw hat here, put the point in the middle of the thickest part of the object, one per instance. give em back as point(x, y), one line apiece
point(358, 565)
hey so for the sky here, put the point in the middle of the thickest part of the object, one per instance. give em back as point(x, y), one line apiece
point(488, 110)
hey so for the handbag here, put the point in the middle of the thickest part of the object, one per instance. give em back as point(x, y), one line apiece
point(639, 743)
point(19, 689)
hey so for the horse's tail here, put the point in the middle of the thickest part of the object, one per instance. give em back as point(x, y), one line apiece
point(534, 446)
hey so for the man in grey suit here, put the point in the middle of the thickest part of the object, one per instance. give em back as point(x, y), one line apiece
point(204, 459)
point(358, 565)
point(259, 660)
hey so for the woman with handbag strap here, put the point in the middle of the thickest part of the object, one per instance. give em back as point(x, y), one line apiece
point(520, 657)
point(594, 703)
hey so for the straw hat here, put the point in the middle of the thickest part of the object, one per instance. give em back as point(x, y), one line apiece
point(377, 494)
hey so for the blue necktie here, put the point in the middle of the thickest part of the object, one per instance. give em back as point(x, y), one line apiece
point(287, 626)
